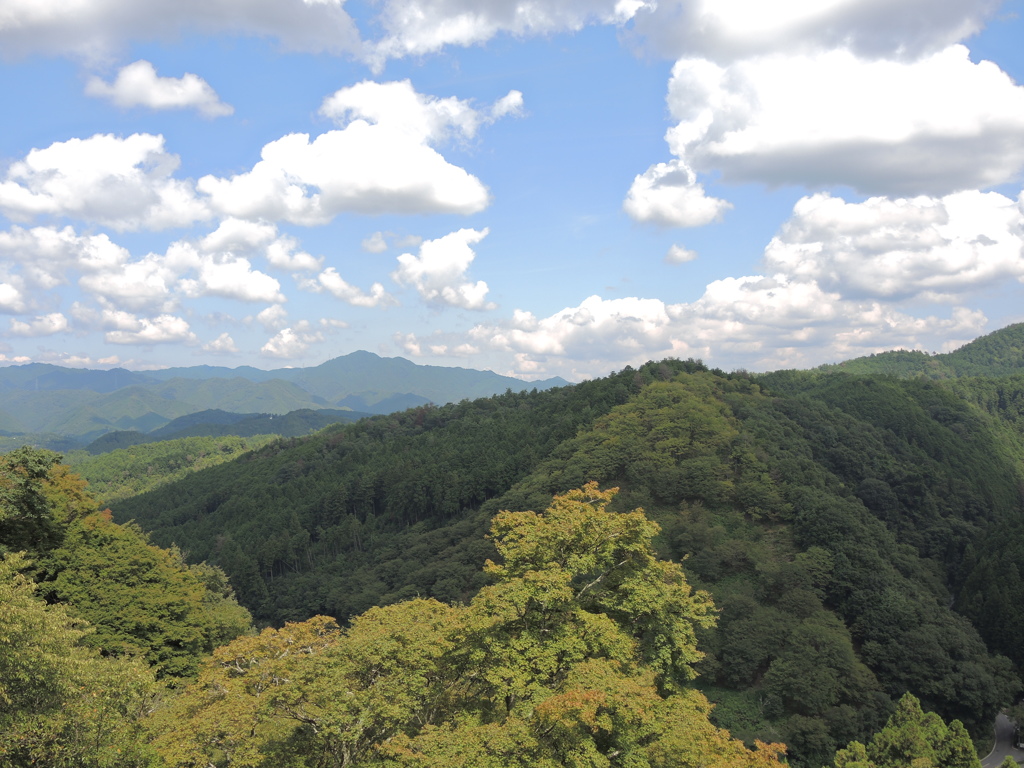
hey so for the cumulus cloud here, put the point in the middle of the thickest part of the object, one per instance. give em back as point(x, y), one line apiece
point(123, 183)
point(95, 29)
point(375, 243)
point(934, 125)
point(381, 161)
point(838, 276)
point(329, 280)
point(934, 248)
point(669, 194)
point(679, 255)
point(12, 300)
point(291, 343)
point(758, 322)
point(144, 284)
point(727, 30)
point(273, 318)
point(232, 278)
point(284, 253)
point(222, 345)
point(43, 257)
point(138, 85)
point(164, 329)
point(416, 27)
point(40, 258)
point(423, 118)
point(47, 325)
point(239, 237)
point(438, 273)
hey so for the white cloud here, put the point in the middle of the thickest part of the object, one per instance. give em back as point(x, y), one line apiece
point(375, 243)
point(726, 30)
point(239, 237)
point(97, 28)
point(47, 325)
point(757, 322)
point(41, 258)
point(273, 318)
point(12, 301)
point(509, 104)
point(113, 319)
point(222, 345)
point(290, 343)
point(720, 30)
point(668, 194)
point(409, 344)
point(932, 126)
point(125, 184)
point(137, 85)
point(422, 118)
point(899, 249)
point(837, 277)
point(165, 329)
point(232, 278)
point(329, 280)
point(439, 272)
point(144, 284)
point(332, 323)
point(415, 27)
point(679, 255)
point(284, 253)
point(381, 160)
point(379, 242)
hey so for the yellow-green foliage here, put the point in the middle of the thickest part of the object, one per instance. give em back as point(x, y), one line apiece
point(61, 703)
point(576, 656)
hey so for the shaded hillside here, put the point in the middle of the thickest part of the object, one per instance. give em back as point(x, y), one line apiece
point(308, 501)
point(829, 519)
point(1000, 353)
point(217, 423)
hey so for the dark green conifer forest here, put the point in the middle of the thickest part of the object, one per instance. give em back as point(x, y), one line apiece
point(849, 547)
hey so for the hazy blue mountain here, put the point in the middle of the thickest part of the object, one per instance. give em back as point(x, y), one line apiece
point(45, 377)
point(370, 376)
point(218, 423)
point(376, 402)
point(86, 404)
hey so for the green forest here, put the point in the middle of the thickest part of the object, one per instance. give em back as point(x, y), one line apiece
point(668, 566)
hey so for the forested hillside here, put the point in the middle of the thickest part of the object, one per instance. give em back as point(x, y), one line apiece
point(579, 652)
point(834, 518)
point(1000, 353)
point(848, 541)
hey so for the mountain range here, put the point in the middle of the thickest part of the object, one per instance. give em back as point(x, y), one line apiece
point(65, 408)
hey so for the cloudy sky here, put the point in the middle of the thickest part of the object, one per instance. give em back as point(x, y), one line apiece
point(536, 187)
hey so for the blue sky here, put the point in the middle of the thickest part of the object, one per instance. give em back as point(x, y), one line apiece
point(537, 188)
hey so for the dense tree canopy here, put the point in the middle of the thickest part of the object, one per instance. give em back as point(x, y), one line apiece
point(577, 655)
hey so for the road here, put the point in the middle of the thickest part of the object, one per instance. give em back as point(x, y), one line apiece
point(1004, 745)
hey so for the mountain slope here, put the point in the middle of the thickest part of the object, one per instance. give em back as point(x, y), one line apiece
point(828, 515)
point(1000, 353)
